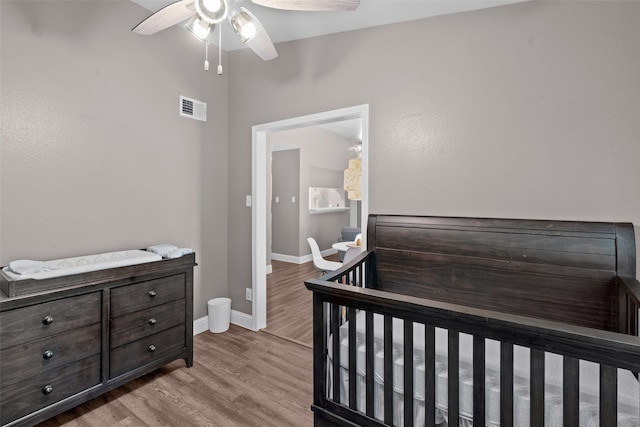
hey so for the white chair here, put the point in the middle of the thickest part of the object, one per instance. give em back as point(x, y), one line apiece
point(348, 256)
point(351, 254)
point(320, 263)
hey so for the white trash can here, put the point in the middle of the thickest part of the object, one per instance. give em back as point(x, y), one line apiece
point(219, 311)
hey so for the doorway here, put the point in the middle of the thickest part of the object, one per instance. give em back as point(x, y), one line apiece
point(260, 157)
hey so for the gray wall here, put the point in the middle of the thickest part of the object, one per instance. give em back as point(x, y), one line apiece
point(285, 215)
point(94, 156)
point(319, 150)
point(524, 111)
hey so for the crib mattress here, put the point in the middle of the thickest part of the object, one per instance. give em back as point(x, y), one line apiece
point(628, 387)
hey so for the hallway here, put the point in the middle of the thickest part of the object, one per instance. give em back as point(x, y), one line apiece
point(289, 303)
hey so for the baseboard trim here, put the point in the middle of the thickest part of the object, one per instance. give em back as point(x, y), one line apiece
point(287, 258)
point(242, 319)
point(200, 325)
point(237, 318)
point(300, 259)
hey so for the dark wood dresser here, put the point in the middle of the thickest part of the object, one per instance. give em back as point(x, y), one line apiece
point(85, 334)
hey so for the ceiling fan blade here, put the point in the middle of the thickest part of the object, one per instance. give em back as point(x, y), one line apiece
point(311, 5)
point(166, 17)
point(262, 45)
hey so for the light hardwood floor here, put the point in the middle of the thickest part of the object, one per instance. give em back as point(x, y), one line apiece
point(289, 310)
point(239, 377)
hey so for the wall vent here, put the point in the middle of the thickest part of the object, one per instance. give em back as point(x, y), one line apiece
point(193, 108)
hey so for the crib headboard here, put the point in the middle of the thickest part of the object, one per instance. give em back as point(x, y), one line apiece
point(556, 270)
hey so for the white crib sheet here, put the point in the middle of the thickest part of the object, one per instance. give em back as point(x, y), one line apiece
point(628, 387)
point(86, 263)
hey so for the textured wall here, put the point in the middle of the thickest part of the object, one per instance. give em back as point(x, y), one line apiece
point(94, 156)
point(528, 110)
point(524, 111)
point(285, 215)
point(329, 151)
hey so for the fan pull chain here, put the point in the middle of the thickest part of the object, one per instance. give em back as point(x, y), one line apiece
point(206, 55)
point(220, 50)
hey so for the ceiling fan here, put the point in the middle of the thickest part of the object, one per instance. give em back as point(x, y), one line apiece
point(204, 15)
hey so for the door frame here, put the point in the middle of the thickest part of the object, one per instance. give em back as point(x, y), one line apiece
point(259, 159)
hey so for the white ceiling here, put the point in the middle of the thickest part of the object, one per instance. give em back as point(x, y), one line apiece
point(284, 25)
point(350, 129)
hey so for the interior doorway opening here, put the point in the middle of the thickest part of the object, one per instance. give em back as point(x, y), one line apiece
point(260, 158)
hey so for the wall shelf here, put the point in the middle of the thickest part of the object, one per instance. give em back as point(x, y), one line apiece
point(328, 210)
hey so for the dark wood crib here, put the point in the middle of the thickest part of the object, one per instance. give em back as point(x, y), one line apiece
point(561, 291)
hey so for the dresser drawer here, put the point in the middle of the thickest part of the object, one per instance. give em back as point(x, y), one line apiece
point(146, 350)
point(133, 326)
point(38, 321)
point(27, 360)
point(139, 296)
point(44, 389)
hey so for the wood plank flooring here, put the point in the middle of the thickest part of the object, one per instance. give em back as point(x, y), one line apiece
point(239, 378)
point(289, 309)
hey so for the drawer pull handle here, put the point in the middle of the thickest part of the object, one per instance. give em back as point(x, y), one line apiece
point(47, 354)
point(152, 294)
point(152, 321)
point(152, 348)
point(47, 320)
point(47, 389)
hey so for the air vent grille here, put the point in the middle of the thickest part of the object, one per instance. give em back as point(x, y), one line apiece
point(193, 108)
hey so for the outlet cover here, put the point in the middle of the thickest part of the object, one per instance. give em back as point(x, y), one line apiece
point(248, 294)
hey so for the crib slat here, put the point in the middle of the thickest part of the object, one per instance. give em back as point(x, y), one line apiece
point(571, 392)
point(454, 375)
point(351, 319)
point(356, 278)
point(320, 386)
point(624, 305)
point(430, 375)
point(408, 373)
point(369, 356)
point(335, 334)
point(632, 318)
point(478, 382)
point(388, 370)
point(506, 384)
point(608, 395)
point(537, 388)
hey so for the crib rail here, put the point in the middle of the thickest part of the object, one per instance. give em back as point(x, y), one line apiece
point(354, 272)
point(628, 305)
point(335, 302)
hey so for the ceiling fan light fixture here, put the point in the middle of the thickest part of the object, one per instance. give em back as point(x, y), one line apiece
point(212, 11)
point(200, 28)
point(244, 24)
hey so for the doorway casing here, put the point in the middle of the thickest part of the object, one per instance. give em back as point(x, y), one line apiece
point(259, 161)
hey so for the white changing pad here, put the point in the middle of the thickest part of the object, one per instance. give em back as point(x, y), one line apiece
point(83, 264)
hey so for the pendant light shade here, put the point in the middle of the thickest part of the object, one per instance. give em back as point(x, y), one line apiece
point(353, 179)
point(212, 11)
point(200, 28)
point(244, 24)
